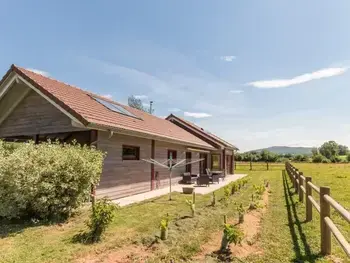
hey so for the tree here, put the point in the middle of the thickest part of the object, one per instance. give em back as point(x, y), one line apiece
point(343, 149)
point(329, 149)
point(315, 151)
point(137, 104)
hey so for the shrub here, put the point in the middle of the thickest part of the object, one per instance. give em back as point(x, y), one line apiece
point(318, 158)
point(102, 215)
point(232, 234)
point(46, 180)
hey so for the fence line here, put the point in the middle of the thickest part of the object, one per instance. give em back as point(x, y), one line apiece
point(265, 165)
point(303, 187)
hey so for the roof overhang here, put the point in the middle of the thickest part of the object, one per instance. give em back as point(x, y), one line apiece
point(141, 134)
point(205, 135)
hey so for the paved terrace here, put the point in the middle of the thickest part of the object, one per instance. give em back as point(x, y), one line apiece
point(177, 188)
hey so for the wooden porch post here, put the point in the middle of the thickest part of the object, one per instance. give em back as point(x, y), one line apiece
point(224, 161)
point(152, 164)
point(93, 138)
point(93, 142)
point(232, 161)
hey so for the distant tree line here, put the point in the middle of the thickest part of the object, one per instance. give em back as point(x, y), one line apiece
point(328, 152)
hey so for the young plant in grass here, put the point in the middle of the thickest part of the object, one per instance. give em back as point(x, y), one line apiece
point(164, 227)
point(234, 188)
point(259, 190)
point(241, 212)
point(231, 234)
point(213, 200)
point(227, 193)
point(192, 204)
point(102, 215)
point(253, 204)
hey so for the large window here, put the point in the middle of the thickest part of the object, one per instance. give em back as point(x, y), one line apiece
point(215, 161)
point(131, 152)
point(173, 155)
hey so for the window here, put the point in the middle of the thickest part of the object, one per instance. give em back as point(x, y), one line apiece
point(131, 152)
point(173, 154)
point(114, 107)
point(215, 161)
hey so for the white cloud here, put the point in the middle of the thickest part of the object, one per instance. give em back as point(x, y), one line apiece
point(174, 110)
point(141, 97)
point(107, 96)
point(40, 72)
point(282, 83)
point(227, 58)
point(197, 114)
point(235, 91)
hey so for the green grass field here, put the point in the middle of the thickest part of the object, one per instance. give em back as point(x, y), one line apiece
point(284, 237)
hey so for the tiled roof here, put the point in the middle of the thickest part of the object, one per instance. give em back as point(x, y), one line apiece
point(87, 110)
point(200, 130)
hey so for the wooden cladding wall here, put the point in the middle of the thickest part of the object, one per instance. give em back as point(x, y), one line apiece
point(122, 178)
point(34, 115)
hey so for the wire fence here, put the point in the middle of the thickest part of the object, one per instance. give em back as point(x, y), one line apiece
point(258, 166)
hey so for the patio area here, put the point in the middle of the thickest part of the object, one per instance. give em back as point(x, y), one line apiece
point(177, 188)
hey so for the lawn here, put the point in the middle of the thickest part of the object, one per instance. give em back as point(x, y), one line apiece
point(284, 236)
point(134, 231)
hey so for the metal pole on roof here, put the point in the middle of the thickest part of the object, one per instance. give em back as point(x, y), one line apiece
point(150, 107)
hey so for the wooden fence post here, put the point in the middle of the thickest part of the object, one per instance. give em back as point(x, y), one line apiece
point(325, 231)
point(301, 183)
point(251, 167)
point(297, 182)
point(308, 202)
point(267, 166)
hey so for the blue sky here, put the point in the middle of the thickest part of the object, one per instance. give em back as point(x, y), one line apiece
point(257, 73)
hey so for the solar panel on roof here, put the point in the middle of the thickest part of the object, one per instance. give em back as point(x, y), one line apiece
point(115, 107)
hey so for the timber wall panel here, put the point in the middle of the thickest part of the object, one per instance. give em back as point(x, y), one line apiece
point(35, 115)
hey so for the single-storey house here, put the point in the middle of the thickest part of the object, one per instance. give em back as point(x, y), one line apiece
point(220, 159)
point(36, 107)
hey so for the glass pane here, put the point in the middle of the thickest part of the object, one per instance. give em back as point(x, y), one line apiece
point(114, 107)
point(215, 161)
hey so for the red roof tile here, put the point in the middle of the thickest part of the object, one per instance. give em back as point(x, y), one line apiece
point(82, 106)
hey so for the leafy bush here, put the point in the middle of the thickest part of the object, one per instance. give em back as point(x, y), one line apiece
point(318, 158)
point(232, 234)
point(103, 214)
point(47, 180)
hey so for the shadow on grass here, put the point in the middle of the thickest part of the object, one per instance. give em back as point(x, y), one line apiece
point(295, 227)
point(9, 228)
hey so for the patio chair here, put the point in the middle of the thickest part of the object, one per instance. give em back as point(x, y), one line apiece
point(215, 178)
point(203, 180)
point(187, 178)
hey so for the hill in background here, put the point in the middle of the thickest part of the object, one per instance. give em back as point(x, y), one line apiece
point(286, 149)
